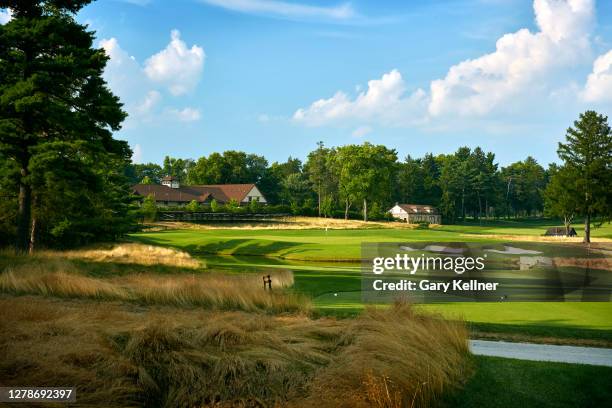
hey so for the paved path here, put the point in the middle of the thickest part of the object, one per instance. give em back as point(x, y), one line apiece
point(543, 352)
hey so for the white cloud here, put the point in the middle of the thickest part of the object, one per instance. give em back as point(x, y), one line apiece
point(141, 95)
point(286, 9)
point(520, 60)
point(5, 16)
point(524, 66)
point(361, 131)
point(137, 154)
point(186, 114)
point(150, 101)
point(122, 72)
point(176, 66)
point(598, 87)
point(383, 101)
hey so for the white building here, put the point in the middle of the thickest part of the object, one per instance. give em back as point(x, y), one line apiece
point(416, 213)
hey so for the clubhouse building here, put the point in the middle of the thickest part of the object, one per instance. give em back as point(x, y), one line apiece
point(170, 193)
point(416, 213)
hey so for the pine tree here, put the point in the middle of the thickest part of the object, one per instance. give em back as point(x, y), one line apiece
point(53, 98)
point(588, 159)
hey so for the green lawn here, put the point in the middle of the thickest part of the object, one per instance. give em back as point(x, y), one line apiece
point(499, 382)
point(523, 227)
point(333, 245)
point(336, 286)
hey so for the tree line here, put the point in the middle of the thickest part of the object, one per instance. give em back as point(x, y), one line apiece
point(365, 180)
point(368, 179)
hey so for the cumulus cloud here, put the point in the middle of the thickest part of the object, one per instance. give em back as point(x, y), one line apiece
point(150, 101)
point(176, 66)
point(522, 64)
point(122, 72)
point(598, 87)
point(142, 95)
point(384, 100)
point(479, 85)
point(5, 16)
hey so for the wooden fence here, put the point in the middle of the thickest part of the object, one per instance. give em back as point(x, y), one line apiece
point(217, 217)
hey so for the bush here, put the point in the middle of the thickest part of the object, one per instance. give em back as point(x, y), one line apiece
point(214, 206)
point(149, 209)
point(193, 206)
point(254, 207)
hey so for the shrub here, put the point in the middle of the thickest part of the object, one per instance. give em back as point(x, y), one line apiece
point(149, 208)
point(193, 206)
point(214, 206)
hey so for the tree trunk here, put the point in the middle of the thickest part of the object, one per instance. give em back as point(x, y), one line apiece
point(567, 222)
point(463, 204)
point(587, 228)
point(365, 210)
point(25, 212)
point(319, 194)
point(32, 237)
point(346, 209)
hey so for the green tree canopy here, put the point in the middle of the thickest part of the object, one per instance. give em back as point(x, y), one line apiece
point(57, 114)
point(587, 155)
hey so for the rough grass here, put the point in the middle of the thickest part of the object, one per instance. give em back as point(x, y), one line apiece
point(173, 357)
point(131, 253)
point(396, 358)
point(216, 291)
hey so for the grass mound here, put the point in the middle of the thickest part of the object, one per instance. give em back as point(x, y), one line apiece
point(131, 253)
point(394, 358)
point(171, 357)
point(209, 290)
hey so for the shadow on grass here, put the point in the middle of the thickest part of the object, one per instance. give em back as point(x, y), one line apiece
point(237, 247)
point(545, 328)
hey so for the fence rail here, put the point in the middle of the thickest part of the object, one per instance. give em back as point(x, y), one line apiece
point(220, 217)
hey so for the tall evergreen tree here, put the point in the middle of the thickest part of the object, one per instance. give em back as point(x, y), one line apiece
point(587, 154)
point(318, 172)
point(52, 96)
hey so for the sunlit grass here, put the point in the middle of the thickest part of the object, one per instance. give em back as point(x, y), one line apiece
point(117, 356)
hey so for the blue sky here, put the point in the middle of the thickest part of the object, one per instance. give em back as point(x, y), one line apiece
point(274, 77)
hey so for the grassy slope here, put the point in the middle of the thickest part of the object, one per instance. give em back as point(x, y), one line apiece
point(318, 244)
point(497, 382)
point(500, 382)
point(335, 287)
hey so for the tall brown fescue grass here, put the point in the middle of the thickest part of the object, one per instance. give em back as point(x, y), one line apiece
point(394, 358)
point(131, 253)
point(205, 289)
point(172, 357)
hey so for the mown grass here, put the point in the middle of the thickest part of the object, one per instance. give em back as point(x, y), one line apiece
point(336, 291)
point(502, 383)
point(173, 357)
point(338, 244)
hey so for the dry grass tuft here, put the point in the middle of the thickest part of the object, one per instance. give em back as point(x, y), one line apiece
point(132, 253)
point(394, 358)
point(209, 290)
point(169, 357)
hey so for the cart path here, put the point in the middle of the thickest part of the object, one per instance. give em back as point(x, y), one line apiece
point(543, 352)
